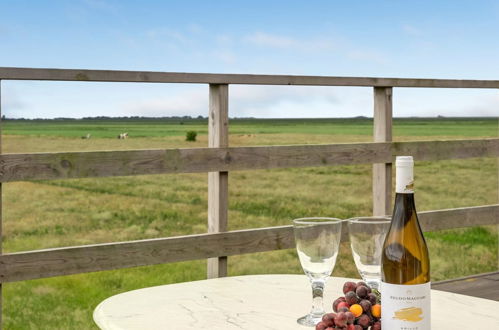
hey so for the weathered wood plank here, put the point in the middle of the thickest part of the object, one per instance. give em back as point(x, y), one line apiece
point(382, 172)
point(41, 166)
point(481, 285)
point(218, 182)
point(459, 217)
point(1, 209)
point(449, 149)
point(452, 218)
point(47, 166)
point(13, 73)
point(492, 276)
point(73, 260)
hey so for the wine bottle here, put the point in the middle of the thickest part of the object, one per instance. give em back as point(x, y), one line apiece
point(405, 264)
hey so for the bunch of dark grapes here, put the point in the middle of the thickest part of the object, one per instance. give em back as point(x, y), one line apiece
point(358, 309)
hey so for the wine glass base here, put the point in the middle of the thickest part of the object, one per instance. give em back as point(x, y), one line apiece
point(309, 320)
point(373, 283)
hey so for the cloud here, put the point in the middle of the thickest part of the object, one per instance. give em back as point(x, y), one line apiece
point(273, 94)
point(86, 10)
point(11, 101)
point(340, 47)
point(244, 101)
point(367, 55)
point(307, 101)
point(483, 105)
point(293, 101)
point(223, 39)
point(449, 103)
point(173, 39)
point(195, 28)
point(225, 56)
point(166, 33)
point(187, 102)
point(3, 31)
point(411, 30)
point(263, 39)
point(313, 102)
point(102, 5)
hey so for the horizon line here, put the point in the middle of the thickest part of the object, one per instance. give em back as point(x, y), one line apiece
point(258, 118)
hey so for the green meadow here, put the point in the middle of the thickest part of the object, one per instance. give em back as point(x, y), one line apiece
point(169, 127)
point(47, 214)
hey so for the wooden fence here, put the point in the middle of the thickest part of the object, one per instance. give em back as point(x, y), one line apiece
point(218, 160)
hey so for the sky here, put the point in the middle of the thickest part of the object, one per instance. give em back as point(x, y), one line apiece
point(413, 39)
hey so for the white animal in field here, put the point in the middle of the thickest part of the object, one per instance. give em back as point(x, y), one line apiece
point(86, 136)
point(123, 136)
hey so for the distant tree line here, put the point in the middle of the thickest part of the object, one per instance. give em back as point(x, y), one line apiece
point(188, 118)
point(100, 118)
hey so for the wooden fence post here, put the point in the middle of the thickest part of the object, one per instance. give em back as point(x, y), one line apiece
point(1, 211)
point(218, 182)
point(382, 172)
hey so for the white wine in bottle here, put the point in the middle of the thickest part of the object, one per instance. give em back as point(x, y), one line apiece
point(405, 264)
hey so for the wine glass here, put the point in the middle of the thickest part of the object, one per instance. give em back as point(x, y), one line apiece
point(317, 242)
point(367, 235)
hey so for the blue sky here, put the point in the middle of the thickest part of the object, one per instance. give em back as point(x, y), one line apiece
point(421, 39)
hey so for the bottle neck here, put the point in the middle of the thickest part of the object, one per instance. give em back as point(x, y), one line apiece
point(405, 201)
point(404, 209)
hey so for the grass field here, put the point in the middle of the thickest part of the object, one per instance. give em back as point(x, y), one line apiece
point(46, 214)
point(177, 127)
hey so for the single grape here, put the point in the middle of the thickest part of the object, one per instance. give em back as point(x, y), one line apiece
point(372, 298)
point(340, 320)
point(376, 326)
point(362, 292)
point(376, 311)
point(350, 317)
point(320, 326)
point(349, 286)
point(366, 305)
point(362, 283)
point(351, 298)
point(356, 310)
point(364, 321)
point(328, 319)
point(336, 302)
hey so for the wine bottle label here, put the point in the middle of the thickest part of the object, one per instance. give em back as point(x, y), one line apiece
point(405, 307)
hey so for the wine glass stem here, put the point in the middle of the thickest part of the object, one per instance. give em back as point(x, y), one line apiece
point(317, 293)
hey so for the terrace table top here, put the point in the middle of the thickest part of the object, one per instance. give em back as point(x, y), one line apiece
point(260, 302)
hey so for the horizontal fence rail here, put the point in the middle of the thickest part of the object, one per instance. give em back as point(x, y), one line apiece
point(46, 166)
point(73, 260)
point(9, 73)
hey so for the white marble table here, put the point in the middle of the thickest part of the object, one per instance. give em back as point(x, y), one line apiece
point(260, 302)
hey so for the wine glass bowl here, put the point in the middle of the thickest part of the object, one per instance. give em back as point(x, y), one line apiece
point(367, 235)
point(317, 243)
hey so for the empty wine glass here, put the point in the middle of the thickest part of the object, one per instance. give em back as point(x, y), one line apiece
point(367, 235)
point(317, 242)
